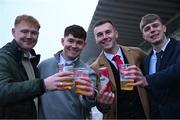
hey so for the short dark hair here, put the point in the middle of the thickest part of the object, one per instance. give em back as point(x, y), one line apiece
point(27, 18)
point(148, 18)
point(103, 21)
point(76, 30)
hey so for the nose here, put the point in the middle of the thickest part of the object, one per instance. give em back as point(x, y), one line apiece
point(74, 44)
point(152, 29)
point(29, 35)
point(104, 36)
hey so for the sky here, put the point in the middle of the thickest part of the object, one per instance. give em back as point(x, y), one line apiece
point(53, 15)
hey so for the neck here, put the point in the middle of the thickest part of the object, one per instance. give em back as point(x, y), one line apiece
point(160, 45)
point(114, 50)
point(68, 59)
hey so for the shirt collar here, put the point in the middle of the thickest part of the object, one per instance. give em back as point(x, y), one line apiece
point(62, 61)
point(163, 48)
point(110, 56)
point(28, 55)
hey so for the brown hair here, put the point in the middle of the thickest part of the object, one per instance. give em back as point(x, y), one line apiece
point(103, 21)
point(148, 18)
point(27, 18)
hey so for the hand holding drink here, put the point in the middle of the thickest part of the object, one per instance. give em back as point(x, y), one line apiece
point(134, 72)
point(67, 83)
point(123, 79)
point(58, 81)
point(83, 84)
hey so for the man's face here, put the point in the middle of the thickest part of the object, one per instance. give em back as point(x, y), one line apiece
point(72, 47)
point(26, 35)
point(154, 32)
point(106, 36)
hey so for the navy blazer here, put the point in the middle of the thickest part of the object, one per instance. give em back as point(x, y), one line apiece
point(165, 84)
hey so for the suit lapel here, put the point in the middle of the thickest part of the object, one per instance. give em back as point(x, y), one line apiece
point(168, 53)
point(128, 56)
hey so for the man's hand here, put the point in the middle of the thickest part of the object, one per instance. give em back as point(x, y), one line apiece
point(105, 97)
point(58, 81)
point(133, 72)
point(84, 86)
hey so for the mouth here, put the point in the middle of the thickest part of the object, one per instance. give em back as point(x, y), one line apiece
point(74, 51)
point(104, 42)
point(154, 36)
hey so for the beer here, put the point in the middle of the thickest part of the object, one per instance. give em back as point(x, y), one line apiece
point(68, 84)
point(78, 90)
point(124, 85)
point(81, 72)
point(123, 79)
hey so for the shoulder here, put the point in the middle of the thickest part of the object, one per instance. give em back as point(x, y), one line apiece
point(96, 61)
point(47, 61)
point(133, 50)
point(174, 44)
point(178, 43)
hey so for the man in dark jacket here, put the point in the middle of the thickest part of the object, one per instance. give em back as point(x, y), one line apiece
point(19, 82)
point(161, 73)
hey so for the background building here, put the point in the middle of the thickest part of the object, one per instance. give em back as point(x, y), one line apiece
point(126, 15)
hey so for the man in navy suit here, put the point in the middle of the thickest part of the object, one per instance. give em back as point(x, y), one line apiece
point(162, 75)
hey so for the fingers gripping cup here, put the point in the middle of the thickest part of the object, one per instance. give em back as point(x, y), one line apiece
point(68, 84)
point(123, 80)
point(80, 72)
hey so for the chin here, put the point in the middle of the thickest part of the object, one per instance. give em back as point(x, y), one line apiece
point(27, 48)
point(72, 57)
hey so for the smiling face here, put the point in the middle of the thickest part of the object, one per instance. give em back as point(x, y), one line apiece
point(26, 35)
point(154, 32)
point(73, 46)
point(106, 36)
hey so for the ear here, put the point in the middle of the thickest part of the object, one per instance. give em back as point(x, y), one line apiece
point(164, 28)
point(13, 32)
point(62, 41)
point(117, 34)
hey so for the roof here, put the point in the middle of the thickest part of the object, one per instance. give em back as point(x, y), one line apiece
point(126, 15)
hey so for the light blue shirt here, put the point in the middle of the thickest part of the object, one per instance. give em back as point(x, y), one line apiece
point(62, 61)
point(110, 56)
point(153, 59)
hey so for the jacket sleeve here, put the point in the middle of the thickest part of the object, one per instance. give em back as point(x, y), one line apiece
point(168, 77)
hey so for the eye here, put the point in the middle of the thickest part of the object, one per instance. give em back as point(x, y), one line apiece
point(25, 31)
point(34, 32)
point(70, 40)
point(99, 34)
point(108, 32)
point(80, 42)
point(146, 28)
point(155, 25)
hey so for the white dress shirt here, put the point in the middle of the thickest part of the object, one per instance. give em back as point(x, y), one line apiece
point(110, 56)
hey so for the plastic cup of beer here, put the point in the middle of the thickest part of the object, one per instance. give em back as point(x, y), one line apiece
point(80, 72)
point(123, 80)
point(68, 84)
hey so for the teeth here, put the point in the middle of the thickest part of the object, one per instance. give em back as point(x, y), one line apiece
point(154, 36)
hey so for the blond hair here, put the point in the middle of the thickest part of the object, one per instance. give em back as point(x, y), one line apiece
point(148, 18)
point(27, 18)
